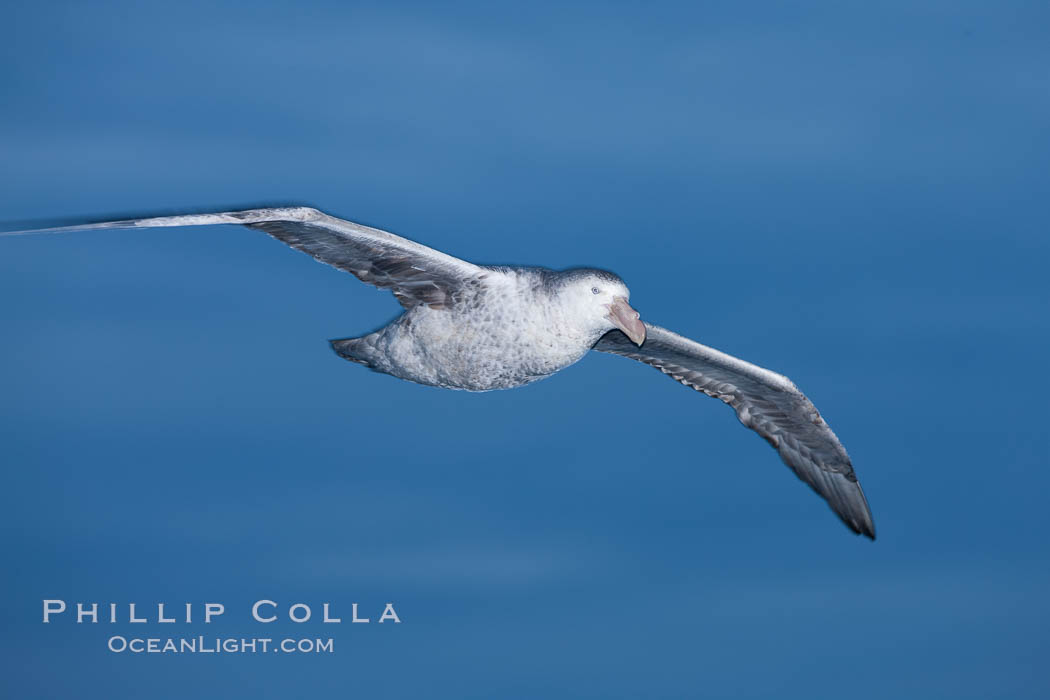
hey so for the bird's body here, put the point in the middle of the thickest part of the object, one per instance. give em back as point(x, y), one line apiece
point(506, 330)
point(479, 328)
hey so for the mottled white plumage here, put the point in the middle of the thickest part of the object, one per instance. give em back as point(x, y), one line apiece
point(512, 327)
point(479, 328)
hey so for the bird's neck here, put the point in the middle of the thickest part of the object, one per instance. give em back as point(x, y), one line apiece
point(574, 323)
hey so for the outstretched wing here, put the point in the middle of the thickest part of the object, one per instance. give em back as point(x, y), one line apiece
point(764, 401)
point(414, 273)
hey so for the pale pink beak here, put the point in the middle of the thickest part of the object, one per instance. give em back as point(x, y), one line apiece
point(627, 320)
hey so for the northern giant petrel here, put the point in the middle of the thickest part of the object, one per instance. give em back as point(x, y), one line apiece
point(479, 327)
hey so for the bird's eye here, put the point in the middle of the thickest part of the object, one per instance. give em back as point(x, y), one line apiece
point(594, 290)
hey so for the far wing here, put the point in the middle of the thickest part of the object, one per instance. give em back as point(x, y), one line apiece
point(415, 273)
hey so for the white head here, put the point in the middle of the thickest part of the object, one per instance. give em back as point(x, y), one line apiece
point(598, 299)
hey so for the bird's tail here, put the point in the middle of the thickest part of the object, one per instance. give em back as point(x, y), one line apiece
point(353, 349)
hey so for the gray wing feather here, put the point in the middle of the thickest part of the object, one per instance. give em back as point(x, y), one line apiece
point(764, 401)
point(415, 273)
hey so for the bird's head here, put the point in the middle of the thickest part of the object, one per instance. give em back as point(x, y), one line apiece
point(599, 300)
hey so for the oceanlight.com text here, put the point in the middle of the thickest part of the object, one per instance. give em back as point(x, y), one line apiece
point(219, 645)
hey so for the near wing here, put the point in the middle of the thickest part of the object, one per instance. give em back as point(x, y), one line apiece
point(764, 401)
point(414, 273)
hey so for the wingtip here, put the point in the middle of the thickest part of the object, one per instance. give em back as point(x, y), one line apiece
point(864, 525)
point(75, 228)
point(845, 496)
point(867, 522)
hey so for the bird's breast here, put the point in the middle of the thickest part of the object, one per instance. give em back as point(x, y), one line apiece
point(495, 344)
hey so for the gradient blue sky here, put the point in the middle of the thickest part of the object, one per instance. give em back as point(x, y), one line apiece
point(853, 194)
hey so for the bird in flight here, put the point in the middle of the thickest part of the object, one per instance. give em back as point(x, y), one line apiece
point(480, 327)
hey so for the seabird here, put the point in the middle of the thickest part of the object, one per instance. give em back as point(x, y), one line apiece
point(481, 327)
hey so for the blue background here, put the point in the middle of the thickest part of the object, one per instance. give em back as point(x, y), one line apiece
point(852, 194)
